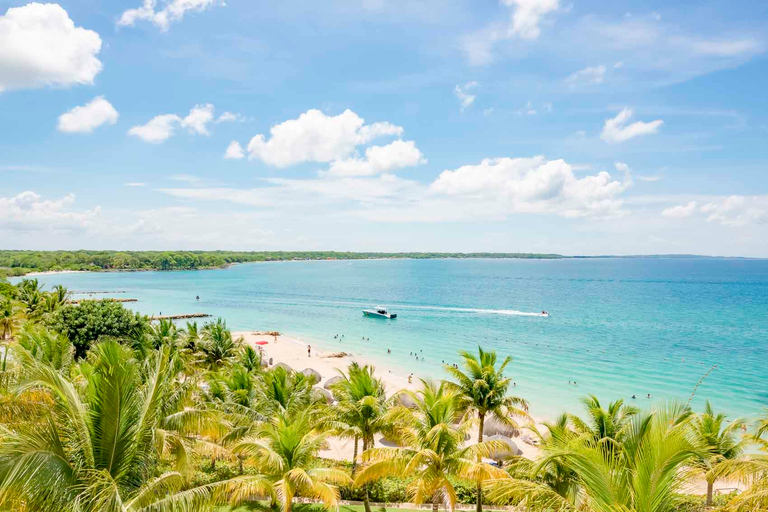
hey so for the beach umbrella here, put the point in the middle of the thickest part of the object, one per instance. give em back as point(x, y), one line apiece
point(507, 453)
point(333, 380)
point(406, 400)
point(493, 426)
point(319, 393)
point(312, 374)
point(285, 366)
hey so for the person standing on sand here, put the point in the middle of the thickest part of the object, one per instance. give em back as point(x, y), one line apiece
point(309, 350)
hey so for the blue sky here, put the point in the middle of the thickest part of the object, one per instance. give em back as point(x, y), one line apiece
point(576, 127)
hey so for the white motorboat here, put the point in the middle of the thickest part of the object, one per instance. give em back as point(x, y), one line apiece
point(379, 313)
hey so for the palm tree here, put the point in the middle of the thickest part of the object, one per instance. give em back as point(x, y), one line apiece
point(645, 472)
point(604, 424)
point(96, 451)
point(484, 389)
point(433, 435)
point(361, 410)
point(46, 346)
point(217, 346)
point(284, 451)
point(721, 440)
point(751, 469)
point(250, 359)
point(10, 318)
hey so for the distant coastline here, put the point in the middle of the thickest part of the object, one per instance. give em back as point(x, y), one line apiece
point(17, 263)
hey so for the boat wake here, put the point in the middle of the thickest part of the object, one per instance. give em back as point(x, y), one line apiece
point(508, 312)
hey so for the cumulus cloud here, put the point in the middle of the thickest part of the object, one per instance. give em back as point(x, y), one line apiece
point(316, 137)
point(593, 75)
point(40, 45)
point(527, 16)
point(234, 151)
point(466, 99)
point(230, 117)
point(533, 185)
point(173, 11)
point(380, 159)
point(198, 118)
point(88, 117)
point(161, 128)
point(157, 130)
point(680, 211)
point(525, 23)
point(28, 211)
point(617, 130)
point(737, 210)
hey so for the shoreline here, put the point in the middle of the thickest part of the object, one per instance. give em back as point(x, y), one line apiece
point(292, 351)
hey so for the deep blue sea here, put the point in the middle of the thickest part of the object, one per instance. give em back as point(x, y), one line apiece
point(618, 327)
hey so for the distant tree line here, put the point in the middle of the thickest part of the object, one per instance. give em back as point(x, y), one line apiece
point(16, 263)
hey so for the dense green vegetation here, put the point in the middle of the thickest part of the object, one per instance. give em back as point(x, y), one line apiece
point(17, 263)
point(102, 410)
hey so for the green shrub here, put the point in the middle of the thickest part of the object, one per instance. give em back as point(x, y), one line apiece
point(85, 323)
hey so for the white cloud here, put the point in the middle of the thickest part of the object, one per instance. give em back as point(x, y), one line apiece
point(234, 151)
point(462, 93)
point(680, 211)
point(161, 128)
point(593, 75)
point(230, 117)
point(648, 178)
point(737, 211)
point(173, 11)
point(525, 23)
point(28, 211)
point(198, 118)
point(527, 16)
point(316, 137)
point(135, 184)
point(157, 130)
point(87, 118)
point(380, 159)
point(621, 167)
point(617, 130)
point(533, 185)
point(40, 45)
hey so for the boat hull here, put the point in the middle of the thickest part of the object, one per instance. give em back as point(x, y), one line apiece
point(376, 314)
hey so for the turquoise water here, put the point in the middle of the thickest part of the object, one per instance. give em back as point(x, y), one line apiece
point(618, 327)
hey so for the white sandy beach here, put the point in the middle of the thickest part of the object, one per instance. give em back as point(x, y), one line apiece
point(293, 352)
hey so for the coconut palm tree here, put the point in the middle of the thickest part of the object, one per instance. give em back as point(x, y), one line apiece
point(645, 472)
point(753, 470)
point(361, 411)
point(46, 346)
point(10, 318)
point(432, 434)
point(484, 391)
point(96, 451)
point(720, 439)
point(604, 424)
point(217, 345)
point(284, 451)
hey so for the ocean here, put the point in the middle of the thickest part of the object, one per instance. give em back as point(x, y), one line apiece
point(618, 327)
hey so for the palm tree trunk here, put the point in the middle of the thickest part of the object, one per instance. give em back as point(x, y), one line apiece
point(240, 460)
point(479, 507)
point(354, 457)
point(710, 488)
point(436, 501)
point(366, 500)
point(213, 462)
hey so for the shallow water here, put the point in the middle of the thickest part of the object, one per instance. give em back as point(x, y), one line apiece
point(618, 327)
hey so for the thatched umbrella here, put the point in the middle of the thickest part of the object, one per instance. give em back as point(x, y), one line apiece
point(493, 427)
point(284, 366)
point(507, 453)
point(319, 393)
point(333, 380)
point(312, 374)
point(406, 400)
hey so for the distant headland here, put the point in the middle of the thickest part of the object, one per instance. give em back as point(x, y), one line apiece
point(21, 262)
